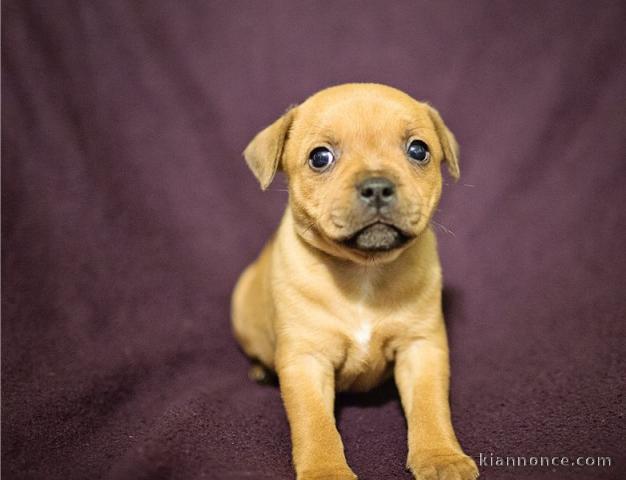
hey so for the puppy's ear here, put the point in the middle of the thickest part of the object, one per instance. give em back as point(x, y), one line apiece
point(448, 143)
point(264, 152)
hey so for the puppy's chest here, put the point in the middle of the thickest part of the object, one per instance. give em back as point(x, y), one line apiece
point(367, 354)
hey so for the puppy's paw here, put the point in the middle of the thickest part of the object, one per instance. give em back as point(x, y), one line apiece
point(329, 473)
point(442, 465)
point(262, 375)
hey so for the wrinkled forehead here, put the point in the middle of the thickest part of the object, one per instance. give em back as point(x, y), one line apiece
point(364, 117)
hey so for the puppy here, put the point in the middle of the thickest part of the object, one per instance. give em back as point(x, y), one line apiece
point(348, 290)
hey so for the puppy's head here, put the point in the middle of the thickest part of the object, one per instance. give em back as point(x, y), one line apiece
point(363, 167)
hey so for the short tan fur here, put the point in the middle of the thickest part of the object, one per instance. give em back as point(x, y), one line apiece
point(329, 316)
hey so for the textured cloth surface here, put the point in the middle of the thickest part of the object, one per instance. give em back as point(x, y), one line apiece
point(128, 212)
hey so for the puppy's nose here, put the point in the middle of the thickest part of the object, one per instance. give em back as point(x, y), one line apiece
point(377, 192)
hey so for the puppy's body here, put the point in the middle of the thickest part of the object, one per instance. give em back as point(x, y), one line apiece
point(348, 290)
point(352, 316)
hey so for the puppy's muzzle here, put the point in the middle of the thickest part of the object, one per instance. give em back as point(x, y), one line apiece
point(376, 196)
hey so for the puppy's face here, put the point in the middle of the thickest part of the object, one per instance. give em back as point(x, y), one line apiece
point(363, 164)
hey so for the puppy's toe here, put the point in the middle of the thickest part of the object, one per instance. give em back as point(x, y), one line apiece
point(443, 466)
point(260, 374)
point(427, 472)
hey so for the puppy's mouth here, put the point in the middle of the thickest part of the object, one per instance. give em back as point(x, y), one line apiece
point(377, 237)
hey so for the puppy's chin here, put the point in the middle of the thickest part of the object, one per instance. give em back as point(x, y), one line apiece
point(377, 238)
point(376, 243)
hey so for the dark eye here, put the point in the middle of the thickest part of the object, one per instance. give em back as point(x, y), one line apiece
point(418, 151)
point(320, 159)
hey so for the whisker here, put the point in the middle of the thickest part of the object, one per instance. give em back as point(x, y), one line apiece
point(309, 227)
point(443, 228)
point(446, 184)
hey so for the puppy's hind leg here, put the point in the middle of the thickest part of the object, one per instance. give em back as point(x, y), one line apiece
point(251, 323)
point(261, 374)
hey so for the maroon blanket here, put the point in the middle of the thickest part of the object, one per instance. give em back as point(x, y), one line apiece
point(128, 212)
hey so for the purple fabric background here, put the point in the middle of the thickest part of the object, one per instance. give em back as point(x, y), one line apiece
point(128, 212)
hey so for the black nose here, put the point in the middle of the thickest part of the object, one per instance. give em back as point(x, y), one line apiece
point(377, 192)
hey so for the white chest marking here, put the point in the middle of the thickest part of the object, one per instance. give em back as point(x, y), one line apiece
point(363, 335)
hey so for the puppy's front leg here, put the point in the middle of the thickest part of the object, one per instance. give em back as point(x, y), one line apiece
point(307, 386)
point(422, 377)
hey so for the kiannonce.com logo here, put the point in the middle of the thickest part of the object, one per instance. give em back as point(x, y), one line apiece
point(492, 460)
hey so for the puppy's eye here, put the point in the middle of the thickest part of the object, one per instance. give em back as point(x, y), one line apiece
point(320, 159)
point(418, 151)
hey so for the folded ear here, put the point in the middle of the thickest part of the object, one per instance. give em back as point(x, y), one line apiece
point(448, 143)
point(264, 152)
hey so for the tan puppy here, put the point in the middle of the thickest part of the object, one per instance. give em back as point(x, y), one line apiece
point(349, 288)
